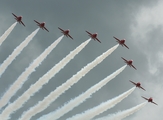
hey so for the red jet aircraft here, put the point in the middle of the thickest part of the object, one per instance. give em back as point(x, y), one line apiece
point(18, 19)
point(137, 84)
point(129, 62)
point(93, 36)
point(41, 25)
point(65, 32)
point(149, 100)
point(121, 42)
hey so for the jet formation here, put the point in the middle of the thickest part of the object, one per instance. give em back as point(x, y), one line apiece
point(65, 32)
point(121, 42)
point(18, 19)
point(137, 85)
point(149, 100)
point(94, 37)
point(129, 62)
point(41, 25)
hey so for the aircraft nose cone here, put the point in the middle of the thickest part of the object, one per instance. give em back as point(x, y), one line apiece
point(95, 34)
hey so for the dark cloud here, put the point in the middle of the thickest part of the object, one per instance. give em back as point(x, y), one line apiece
point(107, 18)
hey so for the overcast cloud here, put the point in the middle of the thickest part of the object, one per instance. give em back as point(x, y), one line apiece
point(138, 21)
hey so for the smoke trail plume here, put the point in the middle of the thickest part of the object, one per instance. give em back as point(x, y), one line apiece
point(91, 113)
point(23, 77)
point(7, 32)
point(81, 98)
point(16, 52)
point(43, 80)
point(65, 86)
point(123, 114)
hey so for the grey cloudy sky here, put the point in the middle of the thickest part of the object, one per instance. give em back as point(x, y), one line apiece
point(138, 21)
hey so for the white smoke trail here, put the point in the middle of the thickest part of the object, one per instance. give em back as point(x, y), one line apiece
point(23, 77)
point(43, 80)
point(16, 52)
point(65, 86)
point(91, 113)
point(81, 98)
point(123, 114)
point(7, 32)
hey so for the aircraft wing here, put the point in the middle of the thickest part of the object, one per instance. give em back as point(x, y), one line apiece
point(154, 103)
point(61, 29)
point(98, 40)
point(133, 82)
point(124, 59)
point(134, 67)
point(116, 38)
point(46, 29)
point(126, 46)
point(70, 36)
point(144, 98)
point(37, 22)
point(142, 88)
point(89, 33)
point(14, 15)
point(22, 23)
